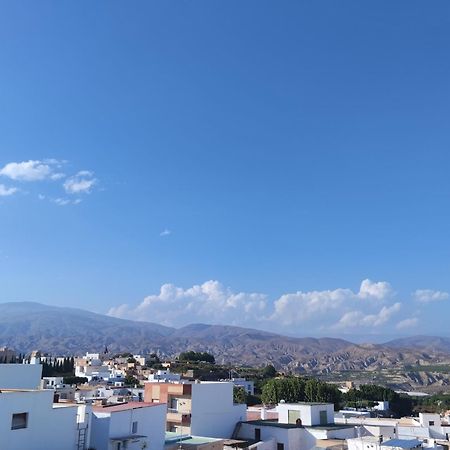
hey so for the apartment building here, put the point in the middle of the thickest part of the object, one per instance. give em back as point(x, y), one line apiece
point(199, 408)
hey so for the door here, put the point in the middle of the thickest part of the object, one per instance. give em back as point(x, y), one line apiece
point(323, 418)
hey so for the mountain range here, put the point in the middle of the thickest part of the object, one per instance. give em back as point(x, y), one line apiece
point(27, 326)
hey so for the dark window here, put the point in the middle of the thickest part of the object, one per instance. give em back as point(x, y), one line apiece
point(257, 434)
point(431, 423)
point(19, 421)
point(134, 426)
point(280, 446)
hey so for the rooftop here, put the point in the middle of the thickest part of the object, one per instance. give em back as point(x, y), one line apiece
point(271, 423)
point(306, 403)
point(173, 438)
point(402, 443)
point(124, 406)
point(275, 423)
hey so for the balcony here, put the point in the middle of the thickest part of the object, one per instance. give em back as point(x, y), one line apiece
point(177, 417)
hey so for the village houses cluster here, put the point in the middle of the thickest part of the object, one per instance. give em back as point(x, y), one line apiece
point(167, 411)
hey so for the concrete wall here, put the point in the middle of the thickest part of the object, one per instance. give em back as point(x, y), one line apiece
point(291, 438)
point(386, 432)
point(213, 412)
point(151, 423)
point(309, 413)
point(20, 376)
point(48, 428)
point(99, 434)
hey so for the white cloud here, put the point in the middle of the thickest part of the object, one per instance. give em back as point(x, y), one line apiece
point(7, 191)
point(211, 302)
point(407, 323)
point(64, 201)
point(301, 306)
point(379, 290)
point(165, 232)
point(81, 183)
point(32, 170)
point(359, 319)
point(429, 295)
point(57, 176)
point(61, 201)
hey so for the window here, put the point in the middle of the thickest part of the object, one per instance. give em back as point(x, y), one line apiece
point(134, 426)
point(19, 421)
point(431, 423)
point(257, 434)
point(280, 446)
point(293, 415)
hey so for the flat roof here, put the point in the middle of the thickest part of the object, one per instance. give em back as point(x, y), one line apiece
point(330, 426)
point(173, 438)
point(271, 423)
point(128, 437)
point(307, 403)
point(124, 406)
point(402, 443)
point(275, 423)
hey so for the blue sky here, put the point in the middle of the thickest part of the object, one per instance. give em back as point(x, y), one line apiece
point(277, 165)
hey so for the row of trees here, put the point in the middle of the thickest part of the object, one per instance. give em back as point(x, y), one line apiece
point(296, 389)
point(196, 357)
point(58, 367)
point(14, 360)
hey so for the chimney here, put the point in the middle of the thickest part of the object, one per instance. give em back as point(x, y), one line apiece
point(263, 413)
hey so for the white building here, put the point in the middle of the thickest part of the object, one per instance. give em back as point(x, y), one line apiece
point(301, 426)
point(63, 391)
point(424, 427)
point(91, 367)
point(249, 386)
point(200, 409)
point(28, 417)
point(308, 413)
point(374, 443)
point(131, 426)
point(164, 376)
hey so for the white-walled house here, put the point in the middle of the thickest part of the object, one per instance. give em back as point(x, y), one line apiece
point(308, 413)
point(424, 427)
point(164, 376)
point(28, 417)
point(301, 426)
point(200, 408)
point(20, 376)
point(375, 443)
point(91, 367)
point(131, 426)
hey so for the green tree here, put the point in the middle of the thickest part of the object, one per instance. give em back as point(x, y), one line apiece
point(269, 371)
point(239, 394)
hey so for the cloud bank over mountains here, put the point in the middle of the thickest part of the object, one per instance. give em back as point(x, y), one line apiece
point(374, 306)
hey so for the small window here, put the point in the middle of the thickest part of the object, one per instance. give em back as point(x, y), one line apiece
point(431, 423)
point(134, 426)
point(19, 421)
point(280, 446)
point(257, 434)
